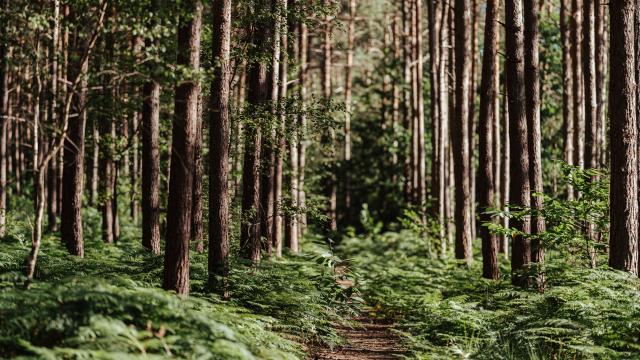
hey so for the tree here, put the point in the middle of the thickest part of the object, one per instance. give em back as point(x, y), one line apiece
point(219, 134)
point(488, 94)
point(567, 86)
point(590, 94)
point(518, 136)
point(532, 89)
point(4, 107)
point(623, 240)
point(460, 137)
point(151, 158)
point(185, 123)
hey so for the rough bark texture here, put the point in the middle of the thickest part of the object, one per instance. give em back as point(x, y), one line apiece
point(567, 86)
point(578, 94)
point(590, 96)
point(519, 147)
point(460, 137)
point(185, 123)
point(599, 14)
point(486, 190)
point(347, 103)
point(197, 218)
point(532, 89)
point(151, 164)
point(327, 93)
point(72, 187)
point(623, 241)
point(219, 132)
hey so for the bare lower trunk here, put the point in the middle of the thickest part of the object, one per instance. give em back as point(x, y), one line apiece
point(567, 86)
point(176, 260)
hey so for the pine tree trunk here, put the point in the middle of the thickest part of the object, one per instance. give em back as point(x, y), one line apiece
point(599, 14)
point(532, 89)
point(519, 158)
point(150, 133)
point(590, 96)
point(567, 86)
point(302, 145)
point(197, 218)
point(460, 135)
point(347, 104)
point(52, 186)
point(73, 171)
point(578, 94)
point(4, 107)
point(327, 93)
point(486, 190)
point(505, 179)
point(219, 131)
point(623, 241)
point(185, 123)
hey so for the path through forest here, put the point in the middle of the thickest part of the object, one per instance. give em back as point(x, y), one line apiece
point(368, 340)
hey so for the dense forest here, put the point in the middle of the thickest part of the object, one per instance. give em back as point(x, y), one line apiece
point(319, 179)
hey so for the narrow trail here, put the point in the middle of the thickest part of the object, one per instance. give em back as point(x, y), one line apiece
point(368, 340)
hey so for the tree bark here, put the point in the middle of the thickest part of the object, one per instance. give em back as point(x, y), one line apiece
point(578, 93)
point(185, 124)
point(197, 218)
point(347, 103)
point(590, 96)
point(219, 130)
point(623, 241)
point(4, 107)
point(486, 190)
point(327, 93)
point(460, 132)
point(532, 89)
point(519, 157)
point(151, 161)
point(567, 86)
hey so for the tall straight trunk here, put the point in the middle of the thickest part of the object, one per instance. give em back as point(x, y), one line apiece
point(519, 147)
point(136, 119)
point(291, 124)
point(94, 177)
point(497, 133)
point(150, 133)
point(623, 240)
point(472, 122)
point(488, 93)
point(567, 85)
point(406, 104)
point(259, 95)
point(197, 217)
point(422, 172)
point(395, 96)
point(460, 133)
point(52, 186)
point(443, 108)
point(108, 136)
point(505, 187)
point(72, 187)
point(327, 93)
point(185, 124)
point(4, 107)
point(301, 138)
point(599, 15)
point(434, 103)
point(347, 103)
point(578, 94)
point(219, 131)
point(590, 95)
point(532, 89)
point(414, 119)
point(276, 241)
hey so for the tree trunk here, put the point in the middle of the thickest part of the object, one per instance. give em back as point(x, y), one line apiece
point(4, 107)
point(519, 158)
point(505, 180)
point(258, 97)
point(578, 94)
point(590, 96)
point(219, 128)
point(567, 86)
point(490, 268)
point(327, 93)
point(347, 104)
point(73, 171)
point(532, 89)
point(151, 161)
point(460, 132)
point(52, 186)
point(197, 221)
point(302, 144)
point(185, 123)
point(599, 14)
point(623, 241)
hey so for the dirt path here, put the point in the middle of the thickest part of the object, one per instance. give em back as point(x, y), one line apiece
point(368, 340)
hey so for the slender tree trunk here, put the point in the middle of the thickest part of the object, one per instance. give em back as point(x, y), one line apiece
point(460, 132)
point(422, 172)
point(532, 89)
point(578, 94)
point(623, 241)
point(347, 103)
point(280, 150)
point(72, 188)
point(258, 97)
point(490, 269)
point(151, 161)
point(436, 121)
point(590, 95)
point(519, 159)
point(327, 93)
point(219, 128)
point(567, 86)
point(599, 14)
point(302, 145)
point(52, 186)
point(176, 259)
point(292, 126)
point(505, 180)
point(4, 108)
point(197, 218)
point(95, 162)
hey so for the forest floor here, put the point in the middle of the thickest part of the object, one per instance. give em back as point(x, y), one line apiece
point(367, 339)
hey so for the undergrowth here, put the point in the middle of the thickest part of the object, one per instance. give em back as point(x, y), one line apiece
point(109, 305)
